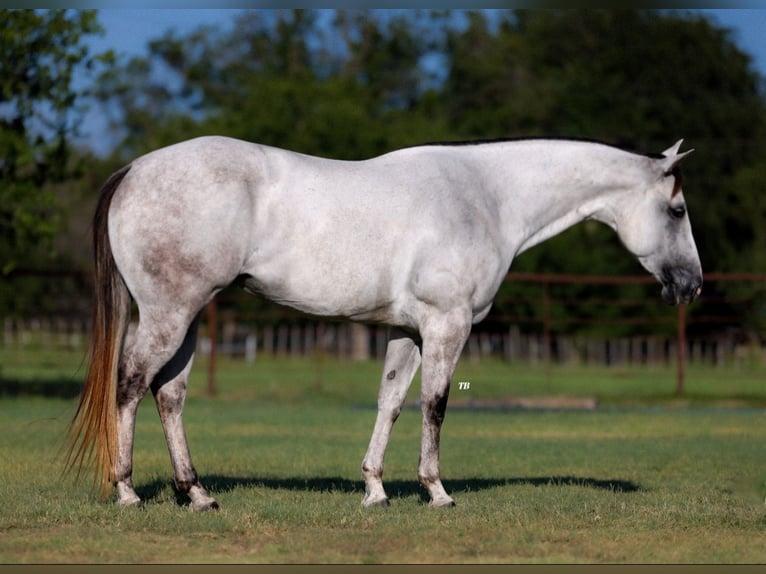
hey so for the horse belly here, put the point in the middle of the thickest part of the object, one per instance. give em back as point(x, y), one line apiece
point(325, 270)
point(324, 290)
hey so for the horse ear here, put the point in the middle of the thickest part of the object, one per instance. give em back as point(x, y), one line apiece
point(672, 158)
point(673, 150)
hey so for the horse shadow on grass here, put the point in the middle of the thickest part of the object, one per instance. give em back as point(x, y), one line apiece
point(395, 488)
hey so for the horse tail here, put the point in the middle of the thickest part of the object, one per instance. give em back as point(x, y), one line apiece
point(93, 430)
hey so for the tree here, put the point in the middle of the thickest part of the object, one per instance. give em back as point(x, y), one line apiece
point(40, 51)
point(346, 86)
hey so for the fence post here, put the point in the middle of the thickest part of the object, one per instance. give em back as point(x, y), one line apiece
point(547, 332)
point(319, 354)
point(680, 349)
point(360, 342)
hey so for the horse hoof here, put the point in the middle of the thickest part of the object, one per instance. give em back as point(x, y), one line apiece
point(205, 506)
point(130, 502)
point(442, 503)
point(379, 503)
point(126, 496)
point(201, 501)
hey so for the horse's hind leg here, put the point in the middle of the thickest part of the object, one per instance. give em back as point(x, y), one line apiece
point(402, 361)
point(155, 342)
point(169, 389)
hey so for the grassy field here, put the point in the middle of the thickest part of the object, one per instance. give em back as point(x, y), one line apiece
point(644, 478)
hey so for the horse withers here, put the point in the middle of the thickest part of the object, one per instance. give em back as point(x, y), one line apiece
point(419, 239)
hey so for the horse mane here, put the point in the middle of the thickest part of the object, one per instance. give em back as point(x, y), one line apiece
point(624, 146)
point(675, 172)
point(484, 141)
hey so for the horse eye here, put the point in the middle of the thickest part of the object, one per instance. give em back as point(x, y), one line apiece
point(677, 212)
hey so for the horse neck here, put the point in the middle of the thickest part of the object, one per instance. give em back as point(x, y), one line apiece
point(545, 187)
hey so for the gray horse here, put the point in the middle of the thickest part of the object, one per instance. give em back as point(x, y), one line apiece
point(419, 239)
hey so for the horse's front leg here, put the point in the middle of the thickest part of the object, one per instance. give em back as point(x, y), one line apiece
point(169, 389)
point(401, 363)
point(443, 339)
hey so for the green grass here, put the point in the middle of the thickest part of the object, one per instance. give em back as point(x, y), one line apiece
point(643, 479)
point(332, 381)
point(344, 382)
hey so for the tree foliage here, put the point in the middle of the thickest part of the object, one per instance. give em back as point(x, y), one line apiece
point(40, 51)
point(347, 87)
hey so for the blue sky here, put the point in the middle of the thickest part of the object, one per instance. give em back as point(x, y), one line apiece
point(129, 32)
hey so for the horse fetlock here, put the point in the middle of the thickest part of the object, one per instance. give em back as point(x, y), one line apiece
point(371, 473)
point(184, 486)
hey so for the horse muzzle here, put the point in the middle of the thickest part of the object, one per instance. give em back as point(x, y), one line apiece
point(680, 286)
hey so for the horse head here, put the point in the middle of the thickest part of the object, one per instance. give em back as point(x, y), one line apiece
point(655, 227)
